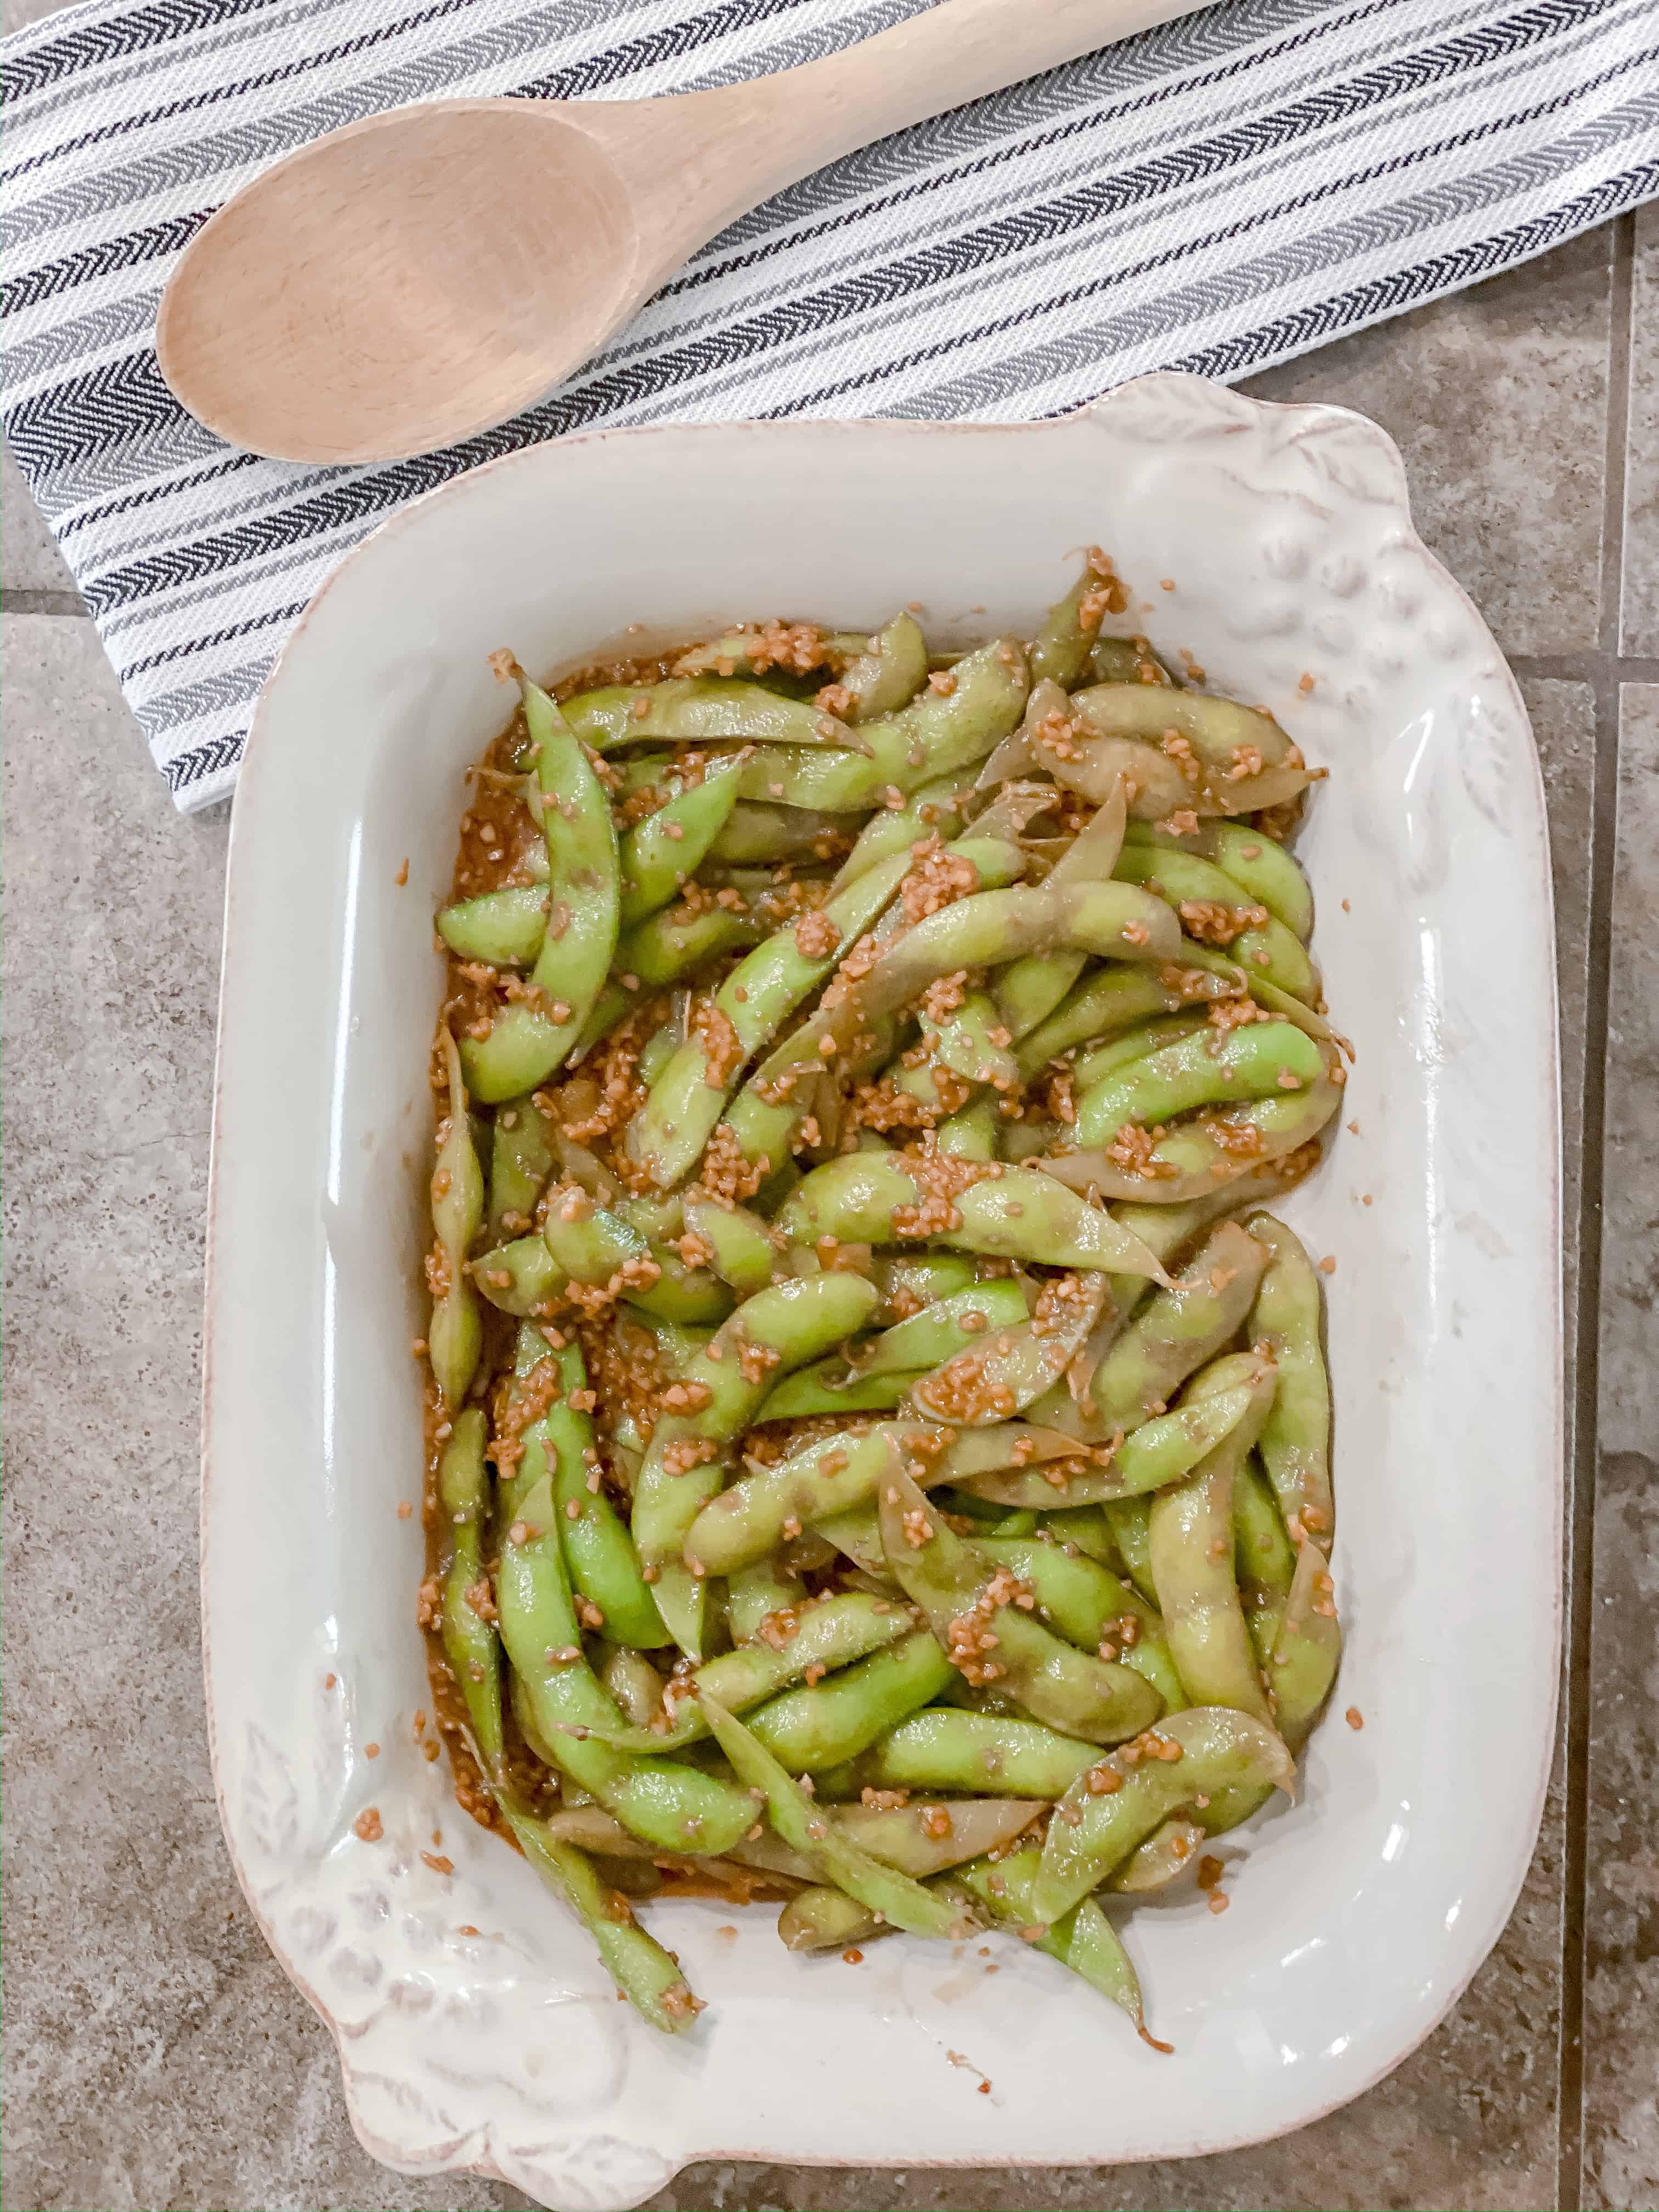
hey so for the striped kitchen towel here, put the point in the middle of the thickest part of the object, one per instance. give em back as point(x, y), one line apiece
point(1216, 195)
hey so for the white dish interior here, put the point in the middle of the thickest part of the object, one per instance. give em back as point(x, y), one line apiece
point(1358, 1915)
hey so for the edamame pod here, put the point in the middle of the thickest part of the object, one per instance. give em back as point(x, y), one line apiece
point(469, 1640)
point(503, 928)
point(810, 1639)
point(1258, 864)
point(946, 1748)
point(520, 1162)
point(665, 1801)
point(691, 709)
point(529, 1038)
point(1307, 1648)
point(455, 1335)
point(688, 1098)
point(1011, 1213)
point(1194, 1159)
point(1091, 1607)
point(778, 1328)
point(825, 1723)
point(1115, 1805)
point(983, 1617)
point(938, 732)
point(1083, 1939)
point(1296, 1440)
point(1192, 1540)
point(905, 1902)
point(1159, 1452)
point(1261, 1059)
point(1176, 1331)
point(891, 670)
point(1206, 898)
point(646, 1974)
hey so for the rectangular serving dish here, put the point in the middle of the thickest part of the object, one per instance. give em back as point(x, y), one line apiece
point(474, 2027)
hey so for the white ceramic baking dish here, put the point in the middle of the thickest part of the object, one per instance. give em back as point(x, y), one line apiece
point(474, 2027)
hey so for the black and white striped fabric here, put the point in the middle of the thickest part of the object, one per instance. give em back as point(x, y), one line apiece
point(1217, 195)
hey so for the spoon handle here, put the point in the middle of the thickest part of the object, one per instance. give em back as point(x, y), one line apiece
point(944, 56)
point(744, 142)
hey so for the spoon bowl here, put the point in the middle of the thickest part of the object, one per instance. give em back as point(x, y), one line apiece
point(436, 324)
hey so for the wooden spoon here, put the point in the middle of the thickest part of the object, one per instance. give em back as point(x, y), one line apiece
point(418, 277)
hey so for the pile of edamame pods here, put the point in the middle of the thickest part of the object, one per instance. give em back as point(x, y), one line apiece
point(878, 1433)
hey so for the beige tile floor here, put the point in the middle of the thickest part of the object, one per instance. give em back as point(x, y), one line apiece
point(154, 2056)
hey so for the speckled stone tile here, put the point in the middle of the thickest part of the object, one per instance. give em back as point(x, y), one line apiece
point(1497, 397)
point(155, 2054)
point(1639, 624)
point(1622, 1911)
point(30, 558)
point(15, 14)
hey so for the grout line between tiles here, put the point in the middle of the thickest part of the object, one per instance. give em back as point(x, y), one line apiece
point(14, 602)
point(1604, 671)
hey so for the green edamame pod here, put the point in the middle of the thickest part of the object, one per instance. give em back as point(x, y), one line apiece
point(598, 1547)
point(827, 1722)
point(665, 1801)
point(823, 1637)
point(520, 1162)
point(658, 854)
point(1108, 1002)
point(938, 732)
point(974, 1608)
point(740, 1246)
point(1166, 1854)
point(1060, 653)
point(1005, 1372)
point(777, 1329)
point(455, 1336)
point(647, 1975)
point(1258, 939)
point(1262, 1060)
point(1296, 1442)
point(1015, 1214)
point(530, 1038)
point(1194, 1159)
point(754, 1592)
point(503, 928)
point(1112, 1808)
point(1089, 1606)
point(757, 833)
point(825, 1919)
point(1161, 1451)
point(1236, 760)
point(1083, 1939)
point(1307, 1648)
point(934, 809)
point(635, 1683)
point(672, 944)
point(690, 709)
point(469, 1641)
point(1192, 1540)
point(1130, 1520)
point(1258, 864)
point(1264, 1558)
point(891, 670)
point(946, 1748)
point(688, 1098)
point(902, 1902)
point(1177, 1330)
